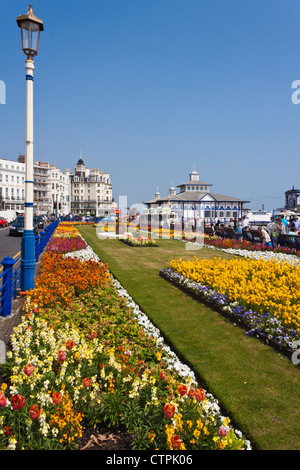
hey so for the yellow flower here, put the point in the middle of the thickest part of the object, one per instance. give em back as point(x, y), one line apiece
point(189, 424)
point(151, 435)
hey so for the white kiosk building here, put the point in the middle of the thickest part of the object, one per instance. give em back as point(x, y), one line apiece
point(195, 200)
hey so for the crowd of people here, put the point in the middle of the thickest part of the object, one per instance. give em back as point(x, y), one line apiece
point(269, 233)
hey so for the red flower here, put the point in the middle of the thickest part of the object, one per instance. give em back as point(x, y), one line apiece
point(70, 344)
point(162, 375)
point(200, 394)
point(61, 356)
point(94, 334)
point(35, 412)
point(86, 382)
point(176, 441)
point(17, 401)
point(191, 392)
point(28, 369)
point(8, 430)
point(182, 389)
point(56, 398)
point(2, 399)
point(169, 410)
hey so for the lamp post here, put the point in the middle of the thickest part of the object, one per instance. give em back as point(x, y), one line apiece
point(30, 31)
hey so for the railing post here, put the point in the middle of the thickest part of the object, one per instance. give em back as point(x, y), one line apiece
point(37, 247)
point(6, 296)
point(42, 241)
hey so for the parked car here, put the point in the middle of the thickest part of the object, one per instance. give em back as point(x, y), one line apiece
point(3, 222)
point(39, 220)
point(17, 227)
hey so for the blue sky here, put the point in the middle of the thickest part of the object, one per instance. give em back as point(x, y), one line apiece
point(146, 89)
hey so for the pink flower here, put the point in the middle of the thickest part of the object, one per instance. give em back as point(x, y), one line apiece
point(2, 399)
point(128, 353)
point(61, 356)
point(222, 432)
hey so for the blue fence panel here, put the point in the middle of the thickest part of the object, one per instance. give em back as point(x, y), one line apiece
point(11, 273)
point(9, 284)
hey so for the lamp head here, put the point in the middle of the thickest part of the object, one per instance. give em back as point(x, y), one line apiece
point(30, 32)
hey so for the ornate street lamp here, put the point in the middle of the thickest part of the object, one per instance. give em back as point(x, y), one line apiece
point(30, 31)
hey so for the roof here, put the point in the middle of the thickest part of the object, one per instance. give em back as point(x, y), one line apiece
point(196, 182)
point(193, 196)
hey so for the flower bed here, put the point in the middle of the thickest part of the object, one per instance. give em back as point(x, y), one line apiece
point(262, 295)
point(138, 242)
point(65, 245)
point(230, 243)
point(97, 360)
point(66, 239)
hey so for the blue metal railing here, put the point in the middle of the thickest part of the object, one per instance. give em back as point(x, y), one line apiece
point(10, 277)
point(11, 271)
point(42, 239)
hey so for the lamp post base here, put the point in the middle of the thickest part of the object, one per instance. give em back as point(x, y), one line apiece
point(27, 260)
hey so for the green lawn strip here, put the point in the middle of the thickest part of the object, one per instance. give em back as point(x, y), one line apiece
point(258, 387)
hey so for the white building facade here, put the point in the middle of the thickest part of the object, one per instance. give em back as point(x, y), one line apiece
point(51, 187)
point(12, 186)
point(91, 191)
point(59, 191)
point(83, 192)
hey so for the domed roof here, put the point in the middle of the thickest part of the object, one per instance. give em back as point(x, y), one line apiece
point(80, 162)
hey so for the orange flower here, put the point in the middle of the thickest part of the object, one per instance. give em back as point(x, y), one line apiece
point(191, 392)
point(56, 398)
point(86, 382)
point(70, 344)
point(182, 389)
point(35, 412)
point(169, 410)
point(200, 394)
point(162, 375)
